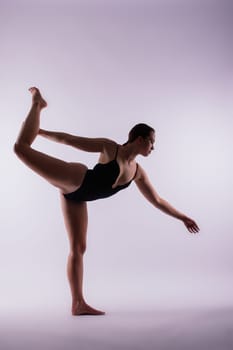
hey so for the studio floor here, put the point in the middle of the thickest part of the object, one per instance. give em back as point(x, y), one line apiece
point(162, 329)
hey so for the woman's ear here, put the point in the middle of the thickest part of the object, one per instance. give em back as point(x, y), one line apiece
point(140, 139)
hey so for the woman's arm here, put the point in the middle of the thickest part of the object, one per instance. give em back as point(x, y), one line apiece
point(143, 183)
point(82, 143)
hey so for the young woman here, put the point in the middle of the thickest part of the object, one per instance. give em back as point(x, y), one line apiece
point(114, 172)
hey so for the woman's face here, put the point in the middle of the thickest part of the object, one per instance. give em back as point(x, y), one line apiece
point(148, 144)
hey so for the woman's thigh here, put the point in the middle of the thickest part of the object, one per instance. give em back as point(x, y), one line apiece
point(66, 176)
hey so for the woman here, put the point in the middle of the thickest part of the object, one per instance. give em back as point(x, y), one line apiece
point(115, 171)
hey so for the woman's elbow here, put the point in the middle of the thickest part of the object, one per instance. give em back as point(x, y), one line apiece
point(157, 201)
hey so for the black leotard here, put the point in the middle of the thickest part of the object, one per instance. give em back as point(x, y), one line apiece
point(98, 182)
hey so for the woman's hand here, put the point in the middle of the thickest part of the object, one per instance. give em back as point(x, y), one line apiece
point(191, 225)
point(54, 135)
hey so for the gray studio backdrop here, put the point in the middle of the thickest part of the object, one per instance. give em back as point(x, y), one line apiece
point(104, 66)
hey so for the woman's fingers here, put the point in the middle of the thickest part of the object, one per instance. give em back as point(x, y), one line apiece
point(191, 225)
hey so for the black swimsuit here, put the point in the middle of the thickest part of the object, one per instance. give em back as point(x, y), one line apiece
point(98, 182)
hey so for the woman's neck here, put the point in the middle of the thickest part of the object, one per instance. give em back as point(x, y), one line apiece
point(128, 152)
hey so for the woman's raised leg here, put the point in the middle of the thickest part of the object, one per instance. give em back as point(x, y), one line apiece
point(66, 176)
point(76, 219)
point(31, 125)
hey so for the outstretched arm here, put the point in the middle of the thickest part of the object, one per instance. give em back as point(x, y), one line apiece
point(146, 188)
point(82, 143)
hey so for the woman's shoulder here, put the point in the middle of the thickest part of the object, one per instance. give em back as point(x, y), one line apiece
point(140, 174)
point(109, 150)
point(110, 146)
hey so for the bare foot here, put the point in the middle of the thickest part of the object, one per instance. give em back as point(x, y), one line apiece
point(85, 309)
point(37, 98)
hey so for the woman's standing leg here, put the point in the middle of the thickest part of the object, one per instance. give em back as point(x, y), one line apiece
point(76, 219)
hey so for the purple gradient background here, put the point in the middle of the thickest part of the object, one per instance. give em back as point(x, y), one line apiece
point(104, 66)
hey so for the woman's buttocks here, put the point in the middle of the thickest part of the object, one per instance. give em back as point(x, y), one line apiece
point(77, 173)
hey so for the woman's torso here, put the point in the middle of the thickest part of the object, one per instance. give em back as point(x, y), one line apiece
point(127, 171)
point(109, 176)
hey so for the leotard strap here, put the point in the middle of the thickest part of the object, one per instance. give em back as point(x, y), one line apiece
point(116, 152)
point(135, 171)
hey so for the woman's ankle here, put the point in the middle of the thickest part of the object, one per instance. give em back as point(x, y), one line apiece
point(78, 301)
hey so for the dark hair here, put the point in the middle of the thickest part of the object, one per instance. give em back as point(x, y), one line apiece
point(141, 129)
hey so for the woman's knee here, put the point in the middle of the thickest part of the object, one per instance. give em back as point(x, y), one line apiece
point(78, 250)
point(19, 148)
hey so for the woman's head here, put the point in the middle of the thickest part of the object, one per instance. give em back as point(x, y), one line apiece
point(142, 130)
point(143, 134)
